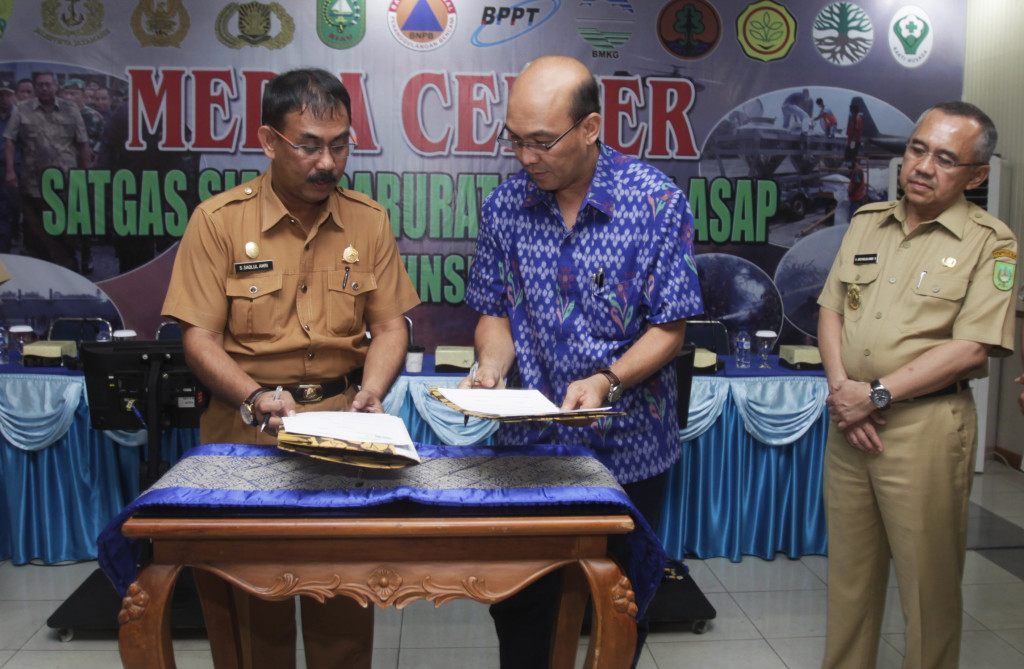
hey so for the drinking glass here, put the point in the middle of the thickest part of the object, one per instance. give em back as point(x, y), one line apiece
point(765, 340)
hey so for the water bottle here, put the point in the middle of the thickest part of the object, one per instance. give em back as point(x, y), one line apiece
point(743, 349)
point(5, 356)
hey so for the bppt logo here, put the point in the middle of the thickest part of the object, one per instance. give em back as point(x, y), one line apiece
point(495, 15)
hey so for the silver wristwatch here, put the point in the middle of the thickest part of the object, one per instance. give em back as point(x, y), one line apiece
point(880, 395)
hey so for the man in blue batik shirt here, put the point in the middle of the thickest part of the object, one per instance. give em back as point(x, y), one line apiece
point(584, 275)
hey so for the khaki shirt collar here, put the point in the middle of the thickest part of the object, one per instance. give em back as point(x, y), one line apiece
point(274, 210)
point(953, 219)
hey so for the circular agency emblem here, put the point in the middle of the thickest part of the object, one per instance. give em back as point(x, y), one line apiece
point(910, 36)
point(254, 25)
point(421, 25)
point(162, 23)
point(72, 22)
point(689, 29)
point(766, 31)
point(843, 33)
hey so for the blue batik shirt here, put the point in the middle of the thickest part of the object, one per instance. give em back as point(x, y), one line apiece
point(577, 299)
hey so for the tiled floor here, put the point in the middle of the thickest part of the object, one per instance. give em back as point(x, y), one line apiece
point(771, 614)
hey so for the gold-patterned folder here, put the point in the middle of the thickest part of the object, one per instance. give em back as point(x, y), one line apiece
point(512, 405)
point(374, 440)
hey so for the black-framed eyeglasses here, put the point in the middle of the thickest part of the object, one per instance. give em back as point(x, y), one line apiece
point(315, 150)
point(516, 144)
point(941, 160)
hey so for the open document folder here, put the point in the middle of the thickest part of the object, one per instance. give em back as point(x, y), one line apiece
point(512, 405)
point(375, 440)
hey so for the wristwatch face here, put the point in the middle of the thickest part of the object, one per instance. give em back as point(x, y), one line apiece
point(247, 413)
point(880, 397)
point(614, 393)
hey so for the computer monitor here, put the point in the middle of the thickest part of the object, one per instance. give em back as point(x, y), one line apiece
point(121, 375)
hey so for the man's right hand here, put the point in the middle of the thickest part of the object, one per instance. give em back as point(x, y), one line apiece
point(485, 377)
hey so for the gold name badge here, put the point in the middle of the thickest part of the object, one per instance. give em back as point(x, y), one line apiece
point(853, 297)
point(350, 254)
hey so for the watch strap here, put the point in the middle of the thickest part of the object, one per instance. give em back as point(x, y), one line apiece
point(610, 375)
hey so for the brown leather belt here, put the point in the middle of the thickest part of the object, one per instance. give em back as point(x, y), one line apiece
point(951, 389)
point(307, 393)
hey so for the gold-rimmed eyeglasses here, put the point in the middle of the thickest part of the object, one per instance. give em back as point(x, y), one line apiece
point(316, 150)
point(510, 142)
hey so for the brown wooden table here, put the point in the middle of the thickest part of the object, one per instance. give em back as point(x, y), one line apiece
point(382, 561)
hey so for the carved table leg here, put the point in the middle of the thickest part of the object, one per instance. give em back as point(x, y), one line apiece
point(572, 604)
point(220, 616)
point(145, 618)
point(613, 628)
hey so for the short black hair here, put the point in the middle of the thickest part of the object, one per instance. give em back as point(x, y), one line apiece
point(820, 102)
point(586, 99)
point(986, 144)
point(43, 73)
point(314, 90)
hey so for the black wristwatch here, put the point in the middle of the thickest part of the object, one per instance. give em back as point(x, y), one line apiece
point(248, 408)
point(615, 387)
point(880, 395)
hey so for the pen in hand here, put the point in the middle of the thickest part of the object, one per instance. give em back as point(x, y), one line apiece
point(266, 419)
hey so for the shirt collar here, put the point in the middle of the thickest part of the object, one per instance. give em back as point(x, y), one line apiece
point(600, 195)
point(274, 210)
point(954, 218)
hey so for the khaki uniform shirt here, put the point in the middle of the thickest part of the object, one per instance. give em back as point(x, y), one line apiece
point(46, 139)
point(292, 308)
point(902, 294)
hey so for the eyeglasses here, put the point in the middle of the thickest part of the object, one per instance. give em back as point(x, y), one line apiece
point(316, 150)
point(941, 160)
point(540, 147)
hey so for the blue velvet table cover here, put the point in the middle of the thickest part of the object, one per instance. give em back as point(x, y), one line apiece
point(232, 479)
point(62, 481)
point(749, 478)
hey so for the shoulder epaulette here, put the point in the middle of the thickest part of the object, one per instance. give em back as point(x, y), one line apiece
point(982, 217)
point(239, 193)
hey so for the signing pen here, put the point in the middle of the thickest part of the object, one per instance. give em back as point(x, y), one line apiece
point(472, 382)
point(344, 281)
point(266, 419)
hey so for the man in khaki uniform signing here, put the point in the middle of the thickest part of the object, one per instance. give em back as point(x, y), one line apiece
point(276, 283)
point(919, 296)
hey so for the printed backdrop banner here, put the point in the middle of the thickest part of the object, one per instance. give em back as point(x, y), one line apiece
point(772, 117)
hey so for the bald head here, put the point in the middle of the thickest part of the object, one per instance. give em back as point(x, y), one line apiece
point(559, 82)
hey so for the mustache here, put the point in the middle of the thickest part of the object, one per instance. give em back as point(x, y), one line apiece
point(323, 177)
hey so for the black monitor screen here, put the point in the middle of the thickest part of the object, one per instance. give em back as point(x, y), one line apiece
point(118, 375)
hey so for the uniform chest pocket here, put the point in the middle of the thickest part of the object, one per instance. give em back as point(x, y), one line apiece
point(613, 311)
point(347, 293)
point(860, 282)
point(256, 306)
point(932, 306)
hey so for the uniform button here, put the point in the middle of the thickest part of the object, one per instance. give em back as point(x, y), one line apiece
point(306, 326)
point(892, 279)
point(906, 245)
point(878, 314)
point(867, 351)
point(311, 355)
point(303, 289)
point(307, 247)
point(248, 191)
point(935, 289)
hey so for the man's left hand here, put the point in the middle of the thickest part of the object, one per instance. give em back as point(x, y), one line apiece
point(366, 402)
point(588, 393)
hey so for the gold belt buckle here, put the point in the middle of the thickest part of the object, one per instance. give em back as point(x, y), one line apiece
point(309, 392)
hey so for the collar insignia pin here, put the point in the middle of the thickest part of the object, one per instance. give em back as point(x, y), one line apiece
point(252, 249)
point(350, 255)
point(949, 262)
point(853, 297)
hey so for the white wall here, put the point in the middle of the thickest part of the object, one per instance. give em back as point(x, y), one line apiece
point(994, 80)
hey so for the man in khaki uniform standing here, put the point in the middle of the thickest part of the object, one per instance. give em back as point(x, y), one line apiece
point(276, 283)
point(919, 296)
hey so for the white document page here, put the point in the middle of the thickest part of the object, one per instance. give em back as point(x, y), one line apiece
point(507, 403)
point(377, 428)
